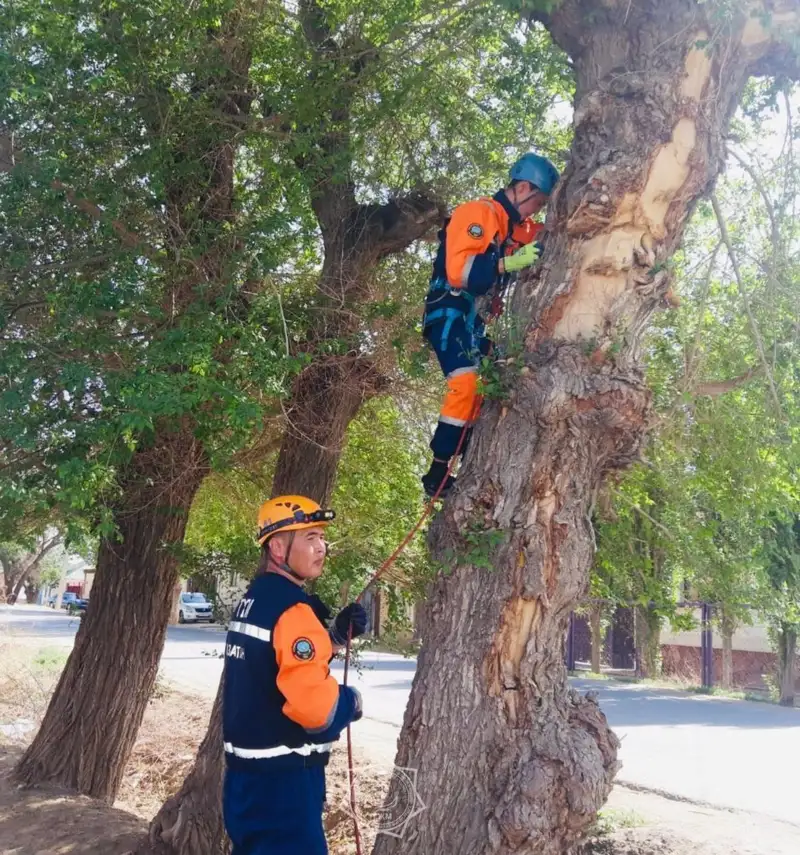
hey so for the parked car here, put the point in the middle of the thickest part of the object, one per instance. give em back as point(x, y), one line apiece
point(77, 607)
point(194, 607)
point(67, 598)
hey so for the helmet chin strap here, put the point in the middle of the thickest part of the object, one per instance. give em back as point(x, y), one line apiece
point(518, 204)
point(530, 196)
point(284, 566)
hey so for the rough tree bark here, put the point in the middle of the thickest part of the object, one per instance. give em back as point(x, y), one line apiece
point(329, 393)
point(508, 758)
point(83, 744)
point(190, 821)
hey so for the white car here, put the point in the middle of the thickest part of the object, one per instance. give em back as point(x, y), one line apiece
point(194, 607)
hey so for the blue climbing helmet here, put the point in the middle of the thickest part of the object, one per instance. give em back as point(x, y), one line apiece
point(536, 169)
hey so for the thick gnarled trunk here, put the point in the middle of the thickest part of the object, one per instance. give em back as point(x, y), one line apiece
point(508, 758)
point(82, 744)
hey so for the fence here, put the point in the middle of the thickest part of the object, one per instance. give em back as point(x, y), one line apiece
point(620, 642)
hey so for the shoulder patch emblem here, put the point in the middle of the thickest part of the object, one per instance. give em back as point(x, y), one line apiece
point(303, 649)
point(475, 231)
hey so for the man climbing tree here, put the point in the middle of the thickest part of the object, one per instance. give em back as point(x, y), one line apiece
point(508, 759)
point(482, 244)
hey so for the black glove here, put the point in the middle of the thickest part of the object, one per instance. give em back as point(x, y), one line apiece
point(355, 616)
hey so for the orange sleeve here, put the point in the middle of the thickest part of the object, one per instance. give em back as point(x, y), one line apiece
point(526, 232)
point(303, 650)
point(471, 231)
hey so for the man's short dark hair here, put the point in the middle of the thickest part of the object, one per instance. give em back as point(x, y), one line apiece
point(515, 182)
point(263, 561)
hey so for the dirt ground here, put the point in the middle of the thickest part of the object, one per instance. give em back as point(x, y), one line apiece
point(49, 821)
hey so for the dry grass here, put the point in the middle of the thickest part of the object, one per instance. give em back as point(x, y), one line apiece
point(171, 732)
point(173, 727)
point(28, 676)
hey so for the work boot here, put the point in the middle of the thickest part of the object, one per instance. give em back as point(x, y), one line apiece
point(437, 477)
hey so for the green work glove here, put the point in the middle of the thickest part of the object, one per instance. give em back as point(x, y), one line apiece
point(522, 258)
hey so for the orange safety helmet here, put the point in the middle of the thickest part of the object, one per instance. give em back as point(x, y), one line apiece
point(290, 513)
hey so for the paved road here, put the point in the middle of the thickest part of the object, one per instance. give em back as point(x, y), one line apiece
point(189, 654)
point(733, 754)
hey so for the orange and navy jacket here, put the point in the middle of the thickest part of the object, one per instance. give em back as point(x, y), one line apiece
point(477, 235)
point(280, 704)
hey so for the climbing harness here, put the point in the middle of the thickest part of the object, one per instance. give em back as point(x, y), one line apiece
point(380, 572)
point(439, 289)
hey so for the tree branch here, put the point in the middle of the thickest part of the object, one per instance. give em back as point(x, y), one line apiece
point(406, 219)
point(11, 157)
point(130, 239)
point(715, 388)
point(691, 356)
point(638, 508)
point(726, 239)
point(312, 20)
point(770, 208)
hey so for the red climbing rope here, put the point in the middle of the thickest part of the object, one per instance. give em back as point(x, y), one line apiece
point(379, 572)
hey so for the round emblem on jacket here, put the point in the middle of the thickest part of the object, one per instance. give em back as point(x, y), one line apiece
point(475, 230)
point(303, 649)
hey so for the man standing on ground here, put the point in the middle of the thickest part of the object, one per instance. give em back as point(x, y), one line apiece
point(281, 708)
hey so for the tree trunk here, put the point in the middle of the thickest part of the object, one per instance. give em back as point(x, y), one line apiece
point(17, 572)
point(190, 822)
point(727, 628)
point(92, 720)
point(12, 576)
point(508, 759)
point(327, 397)
point(175, 603)
point(18, 586)
point(595, 624)
point(647, 629)
point(786, 665)
point(32, 591)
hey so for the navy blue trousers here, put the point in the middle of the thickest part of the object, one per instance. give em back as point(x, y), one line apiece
point(458, 349)
point(277, 812)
